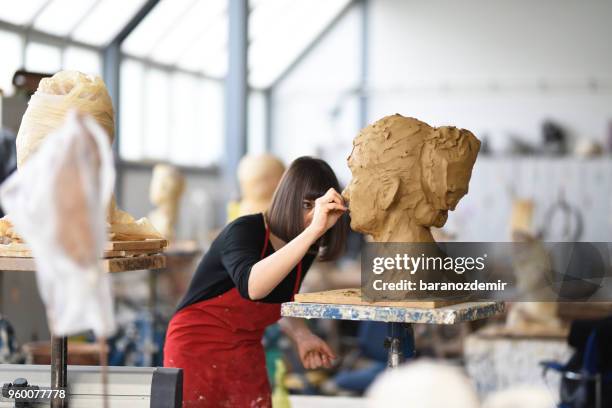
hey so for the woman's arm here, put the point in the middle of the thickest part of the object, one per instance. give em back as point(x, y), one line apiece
point(313, 351)
point(294, 327)
point(269, 272)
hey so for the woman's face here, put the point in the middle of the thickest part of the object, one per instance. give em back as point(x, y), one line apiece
point(308, 211)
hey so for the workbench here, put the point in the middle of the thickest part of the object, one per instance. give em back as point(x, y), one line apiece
point(119, 264)
point(400, 319)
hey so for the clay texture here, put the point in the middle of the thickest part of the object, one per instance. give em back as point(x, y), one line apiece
point(407, 175)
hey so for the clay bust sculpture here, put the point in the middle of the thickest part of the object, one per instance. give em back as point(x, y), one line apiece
point(46, 112)
point(407, 175)
point(167, 186)
point(258, 176)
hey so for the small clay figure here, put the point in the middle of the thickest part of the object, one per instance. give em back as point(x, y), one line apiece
point(167, 186)
point(407, 175)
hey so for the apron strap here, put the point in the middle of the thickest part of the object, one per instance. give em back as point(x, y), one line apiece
point(265, 247)
point(298, 278)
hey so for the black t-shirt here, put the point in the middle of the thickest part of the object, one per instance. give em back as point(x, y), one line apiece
point(229, 260)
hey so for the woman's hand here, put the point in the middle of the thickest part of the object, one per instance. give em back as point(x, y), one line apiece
point(270, 271)
point(328, 209)
point(314, 352)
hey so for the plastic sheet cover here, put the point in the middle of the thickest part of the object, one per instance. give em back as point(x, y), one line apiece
point(57, 201)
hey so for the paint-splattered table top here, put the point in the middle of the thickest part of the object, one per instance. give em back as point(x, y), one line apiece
point(461, 312)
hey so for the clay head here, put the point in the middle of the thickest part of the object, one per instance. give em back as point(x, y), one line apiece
point(167, 184)
point(258, 176)
point(405, 170)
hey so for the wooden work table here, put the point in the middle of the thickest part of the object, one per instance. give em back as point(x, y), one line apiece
point(112, 265)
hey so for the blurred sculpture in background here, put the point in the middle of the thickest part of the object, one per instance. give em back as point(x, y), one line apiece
point(521, 219)
point(46, 112)
point(430, 384)
point(423, 384)
point(588, 148)
point(532, 268)
point(407, 175)
point(258, 176)
point(554, 139)
point(167, 187)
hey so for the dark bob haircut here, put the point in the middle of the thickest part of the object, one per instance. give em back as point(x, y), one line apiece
point(306, 179)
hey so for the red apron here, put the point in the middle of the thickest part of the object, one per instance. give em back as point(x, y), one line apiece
point(217, 343)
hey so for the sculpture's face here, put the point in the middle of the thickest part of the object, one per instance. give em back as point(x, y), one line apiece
point(366, 195)
point(360, 203)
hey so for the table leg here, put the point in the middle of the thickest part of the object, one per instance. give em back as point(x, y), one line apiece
point(2, 296)
point(150, 342)
point(400, 340)
point(59, 368)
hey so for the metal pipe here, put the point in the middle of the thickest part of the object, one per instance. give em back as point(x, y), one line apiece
point(393, 343)
point(59, 369)
point(400, 336)
point(112, 78)
point(150, 347)
point(236, 92)
point(364, 59)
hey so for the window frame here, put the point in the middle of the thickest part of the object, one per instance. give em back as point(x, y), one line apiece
point(31, 34)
